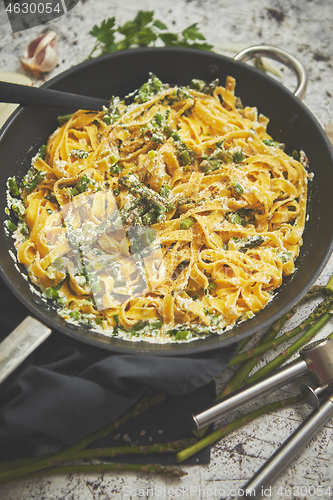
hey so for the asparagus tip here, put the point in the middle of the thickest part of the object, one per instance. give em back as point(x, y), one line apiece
point(329, 286)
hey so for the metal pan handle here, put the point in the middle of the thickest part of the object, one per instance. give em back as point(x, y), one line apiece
point(21, 342)
point(281, 56)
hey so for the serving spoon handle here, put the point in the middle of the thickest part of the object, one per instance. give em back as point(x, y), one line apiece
point(36, 96)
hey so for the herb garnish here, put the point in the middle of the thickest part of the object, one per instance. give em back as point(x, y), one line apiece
point(143, 31)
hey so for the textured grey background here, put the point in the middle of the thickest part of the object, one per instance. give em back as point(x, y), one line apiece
point(304, 28)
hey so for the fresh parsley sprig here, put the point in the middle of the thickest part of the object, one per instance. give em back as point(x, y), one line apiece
point(143, 31)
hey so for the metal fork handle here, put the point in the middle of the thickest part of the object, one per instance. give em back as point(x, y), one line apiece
point(239, 398)
point(289, 449)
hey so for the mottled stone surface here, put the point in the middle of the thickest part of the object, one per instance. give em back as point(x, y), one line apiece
point(303, 27)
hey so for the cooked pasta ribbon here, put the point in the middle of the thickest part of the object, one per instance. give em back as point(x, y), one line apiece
point(169, 218)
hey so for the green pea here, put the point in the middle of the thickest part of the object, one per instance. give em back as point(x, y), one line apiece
point(107, 119)
point(58, 262)
point(157, 137)
point(96, 287)
point(269, 142)
point(285, 256)
point(38, 176)
point(238, 156)
point(113, 159)
point(116, 327)
point(139, 288)
point(156, 324)
point(18, 210)
point(83, 184)
point(197, 84)
point(63, 118)
point(11, 226)
point(50, 293)
point(147, 237)
point(115, 169)
point(214, 320)
point(237, 186)
point(236, 219)
point(169, 131)
point(79, 153)
point(175, 136)
point(62, 301)
point(183, 334)
point(24, 229)
point(139, 326)
point(13, 187)
point(184, 157)
point(186, 223)
point(149, 218)
point(42, 152)
point(75, 315)
point(159, 118)
point(119, 283)
point(165, 191)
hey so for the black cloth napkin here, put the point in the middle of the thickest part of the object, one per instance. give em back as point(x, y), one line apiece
point(67, 389)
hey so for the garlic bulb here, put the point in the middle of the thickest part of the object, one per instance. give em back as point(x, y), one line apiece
point(41, 54)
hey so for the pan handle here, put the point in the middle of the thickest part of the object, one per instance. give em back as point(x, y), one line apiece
point(37, 96)
point(20, 343)
point(281, 56)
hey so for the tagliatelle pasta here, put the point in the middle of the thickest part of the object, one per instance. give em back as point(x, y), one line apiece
point(169, 216)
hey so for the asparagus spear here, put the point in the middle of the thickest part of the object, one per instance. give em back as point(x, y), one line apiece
point(296, 346)
point(315, 291)
point(115, 451)
point(164, 470)
point(270, 344)
point(155, 200)
point(251, 357)
point(32, 179)
point(132, 216)
point(249, 364)
point(40, 466)
point(13, 187)
point(242, 343)
point(226, 429)
point(171, 447)
point(45, 463)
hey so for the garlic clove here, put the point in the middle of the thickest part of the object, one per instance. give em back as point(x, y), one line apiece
point(41, 54)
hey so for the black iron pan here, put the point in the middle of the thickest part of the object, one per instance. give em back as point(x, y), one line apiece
point(121, 73)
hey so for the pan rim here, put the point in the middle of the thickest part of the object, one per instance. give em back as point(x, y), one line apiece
point(170, 349)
